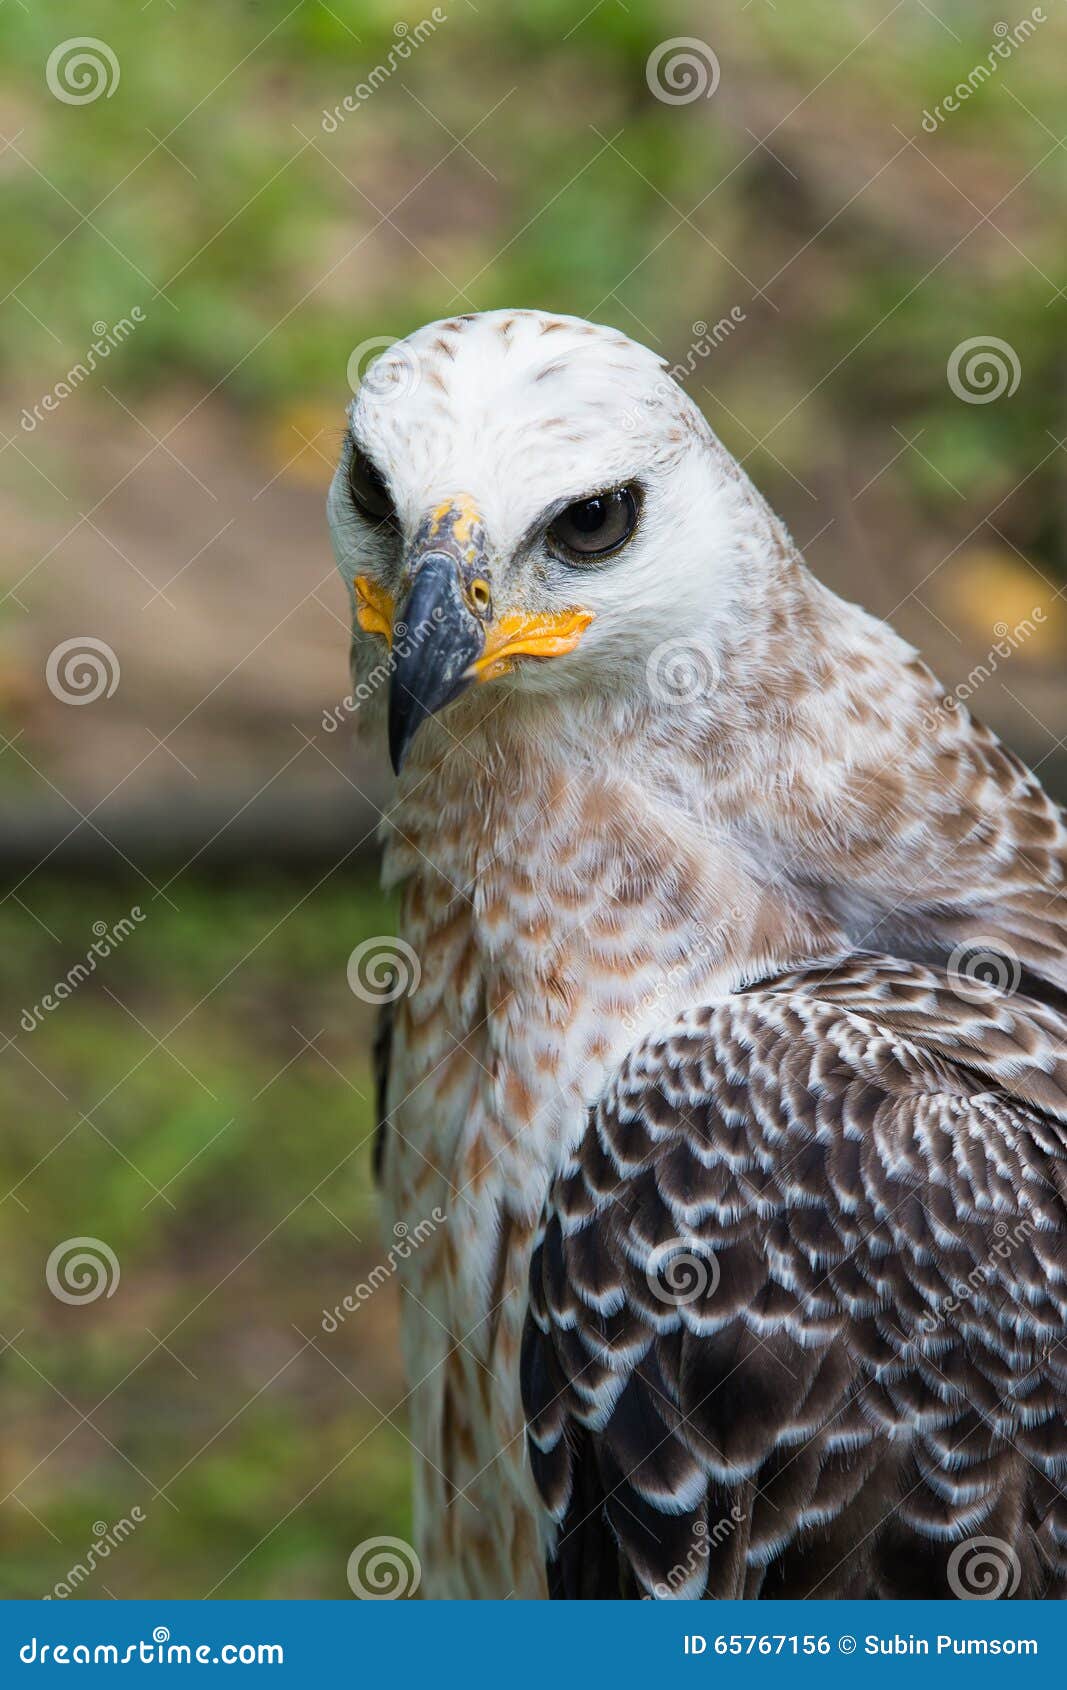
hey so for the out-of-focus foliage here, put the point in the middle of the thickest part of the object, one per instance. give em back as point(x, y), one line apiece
point(207, 1116)
point(517, 157)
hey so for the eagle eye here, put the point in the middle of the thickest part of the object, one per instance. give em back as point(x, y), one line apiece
point(368, 489)
point(596, 526)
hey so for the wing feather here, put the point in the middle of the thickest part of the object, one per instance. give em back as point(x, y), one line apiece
point(798, 1306)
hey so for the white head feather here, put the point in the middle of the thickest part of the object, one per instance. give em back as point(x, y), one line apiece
point(523, 412)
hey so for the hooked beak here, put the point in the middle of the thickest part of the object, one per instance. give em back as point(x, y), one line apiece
point(441, 638)
point(447, 636)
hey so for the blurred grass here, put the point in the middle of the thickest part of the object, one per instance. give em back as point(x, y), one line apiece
point(254, 220)
point(228, 1170)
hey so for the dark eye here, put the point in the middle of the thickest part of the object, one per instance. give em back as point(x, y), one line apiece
point(594, 526)
point(368, 489)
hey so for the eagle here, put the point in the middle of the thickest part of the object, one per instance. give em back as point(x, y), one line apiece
point(729, 1036)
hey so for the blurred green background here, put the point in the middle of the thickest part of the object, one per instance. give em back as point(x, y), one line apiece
point(200, 1103)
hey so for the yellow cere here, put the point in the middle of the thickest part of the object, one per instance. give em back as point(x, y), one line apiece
point(467, 514)
point(513, 635)
point(516, 635)
point(374, 608)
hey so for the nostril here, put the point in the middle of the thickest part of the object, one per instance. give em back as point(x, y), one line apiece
point(480, 596)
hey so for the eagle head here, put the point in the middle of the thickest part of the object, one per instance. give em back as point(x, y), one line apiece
point(528, 504)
